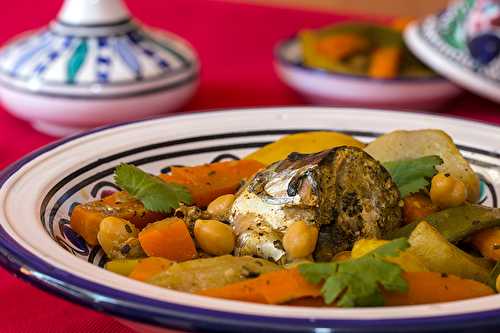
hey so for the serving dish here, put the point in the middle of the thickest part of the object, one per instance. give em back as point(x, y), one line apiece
point(95, 65)
point(340, 89)
point(38, 192)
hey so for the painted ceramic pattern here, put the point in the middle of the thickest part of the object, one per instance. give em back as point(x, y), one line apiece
point(468, 33)
point(56, 59)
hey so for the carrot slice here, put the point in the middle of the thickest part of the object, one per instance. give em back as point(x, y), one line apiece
point(416, 207)
point(148, 267)
point(487, 242)
point(168, 238)
point(385, 62)
point(288, 286)
point(86, 218)
point(432, 287)
point(271, 288)
point(209, 181)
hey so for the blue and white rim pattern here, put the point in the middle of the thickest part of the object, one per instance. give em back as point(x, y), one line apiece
point(89, 61)
point(129, 306)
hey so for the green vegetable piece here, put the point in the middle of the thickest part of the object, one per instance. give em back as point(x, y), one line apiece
point(414, 175)
point(495, 272)
point(357, 282)
point(155, 194)
point(121, 266)
point(456, 223)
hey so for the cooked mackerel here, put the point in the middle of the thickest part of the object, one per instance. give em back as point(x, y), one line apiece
point(346, 193)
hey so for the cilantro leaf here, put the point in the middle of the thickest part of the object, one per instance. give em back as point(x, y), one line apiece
point(357, 282)
point(155, 194)
point(411, 176)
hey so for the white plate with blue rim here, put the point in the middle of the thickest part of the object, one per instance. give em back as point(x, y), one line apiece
point(331, 88)
point(38, 192)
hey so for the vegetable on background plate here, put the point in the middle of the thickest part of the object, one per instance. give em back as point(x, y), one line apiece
point(208, 181)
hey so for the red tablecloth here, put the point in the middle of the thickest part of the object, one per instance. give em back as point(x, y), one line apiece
point(235, 43)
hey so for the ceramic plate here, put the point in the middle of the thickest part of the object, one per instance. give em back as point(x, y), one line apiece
point(38, 193)
point(328, 88)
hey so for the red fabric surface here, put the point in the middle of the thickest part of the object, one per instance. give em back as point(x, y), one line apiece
point(235, 44)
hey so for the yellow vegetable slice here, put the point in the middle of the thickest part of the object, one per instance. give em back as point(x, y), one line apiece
point(441, 256)
point(406, 260)
point(305, 143)
point(402, 145)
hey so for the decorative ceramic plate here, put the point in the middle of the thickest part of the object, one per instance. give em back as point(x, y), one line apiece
point(38, 193)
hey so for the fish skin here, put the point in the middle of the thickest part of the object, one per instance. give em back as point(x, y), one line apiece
point(346, 193)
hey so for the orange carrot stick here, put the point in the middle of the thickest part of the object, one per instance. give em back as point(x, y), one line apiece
point(416, 207)
point(209, 181)
point(385, 62)
point(168, 238)
point(271, 288)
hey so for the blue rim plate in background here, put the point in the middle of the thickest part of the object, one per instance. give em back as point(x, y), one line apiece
point(38, 192)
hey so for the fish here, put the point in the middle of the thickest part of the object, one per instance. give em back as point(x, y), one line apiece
point(343, 191)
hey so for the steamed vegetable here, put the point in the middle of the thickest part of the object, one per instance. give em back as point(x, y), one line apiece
point(456, 223)
point(403, 145)
point(423, 288)
point(209, 181)
point(271, 288)
point(439, 255)
point(303, 143)
point(147, 268)
point(121, 266)
point(86, 218)
point(199, 274)
point(416, 207)
point(432, 287)
point(384, 62)
point(408, 261)
point(487, 241)
point(168, 238)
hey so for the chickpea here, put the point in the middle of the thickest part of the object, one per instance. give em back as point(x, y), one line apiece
point(118, 238)
point(214, 237)
point(219, 207)
point(498, 283)
point(300, 240)
point(447, 191)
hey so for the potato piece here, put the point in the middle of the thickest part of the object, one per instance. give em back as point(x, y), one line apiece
point(408, 261)
point(401, 145)
point(439, 255)
point(194, 275)
point(305, 143)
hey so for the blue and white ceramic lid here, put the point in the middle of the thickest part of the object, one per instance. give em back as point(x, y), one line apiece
point(462, 43)
point(95, 48)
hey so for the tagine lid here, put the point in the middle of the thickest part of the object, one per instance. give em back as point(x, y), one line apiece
point(462, 43)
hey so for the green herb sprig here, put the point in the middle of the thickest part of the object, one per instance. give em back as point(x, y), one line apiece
point(155, 194)
point(358, 282)
point(412, 176)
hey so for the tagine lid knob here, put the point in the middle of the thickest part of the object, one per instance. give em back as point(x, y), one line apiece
point(93, 12)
